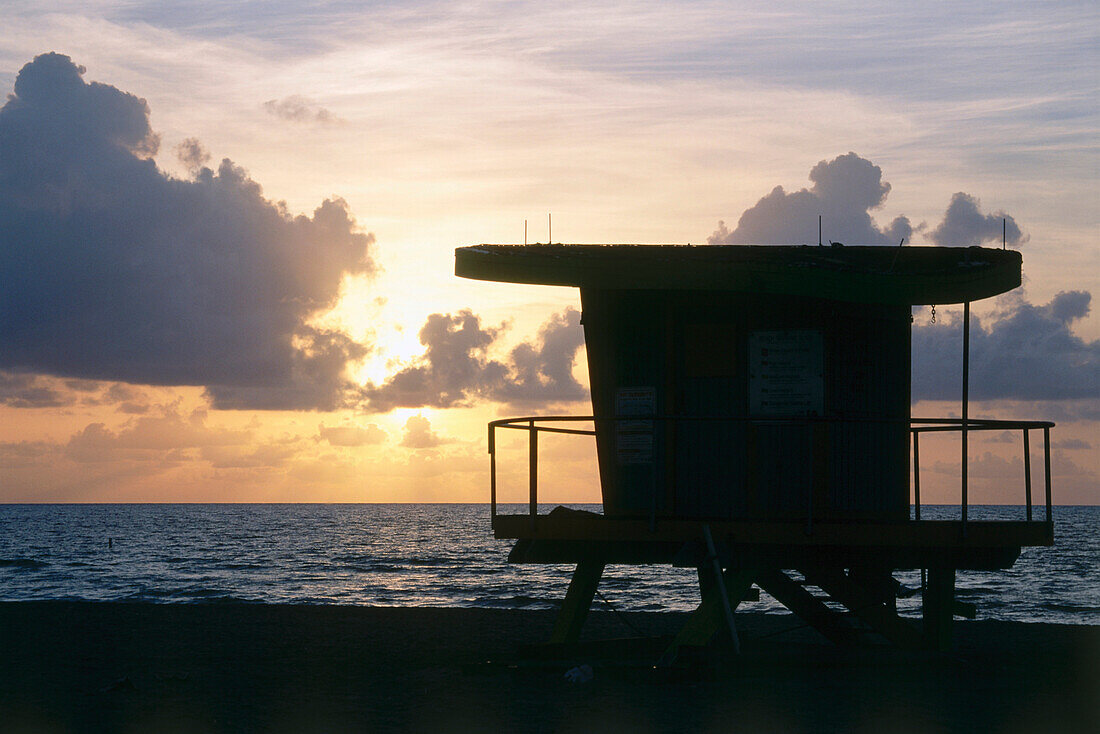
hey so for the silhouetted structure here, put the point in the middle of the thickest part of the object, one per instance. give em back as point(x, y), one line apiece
point(751, 408)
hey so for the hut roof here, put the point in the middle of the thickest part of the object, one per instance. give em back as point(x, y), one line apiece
point(866, 274)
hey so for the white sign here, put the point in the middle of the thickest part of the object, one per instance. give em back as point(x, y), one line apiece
point(634, 438)
point(786, 373)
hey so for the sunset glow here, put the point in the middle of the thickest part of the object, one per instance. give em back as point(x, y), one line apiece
point(286, 325)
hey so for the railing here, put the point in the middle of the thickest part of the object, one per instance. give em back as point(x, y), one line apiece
point(917, 426)
point(942, 425)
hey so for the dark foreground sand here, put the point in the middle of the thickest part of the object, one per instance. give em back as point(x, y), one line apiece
point(150, 668)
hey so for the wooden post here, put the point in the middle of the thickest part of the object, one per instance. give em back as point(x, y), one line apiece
point(578, 600)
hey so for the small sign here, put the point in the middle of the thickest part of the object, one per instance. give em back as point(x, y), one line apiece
point(786, 373)
point(634, 438)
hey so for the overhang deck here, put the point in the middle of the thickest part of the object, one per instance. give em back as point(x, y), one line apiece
point(567, 536)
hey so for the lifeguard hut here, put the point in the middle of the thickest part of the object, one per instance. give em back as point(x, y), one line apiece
point(751, 412)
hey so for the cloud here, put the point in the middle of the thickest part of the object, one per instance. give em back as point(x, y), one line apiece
point(192, 154)
point(419, 434)
point(993, 466)
point(316, 378)
point(82, 385)
point(22, 454)
point(264, 456)
point(844, 192)
point(1024, 352)
point(455, 369)
point(149, 437)
point(1073, 444)
point(299, 109)
point(115, 271)
point(964, 224)
point(351, 436)
point(22, 390)
point(543, 371)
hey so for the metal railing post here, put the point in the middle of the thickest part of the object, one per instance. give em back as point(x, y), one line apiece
point(965, 408)
point(916, 474)
point(1046, 462)
point(492, 472)
point(1027, 473)
point(533, 477)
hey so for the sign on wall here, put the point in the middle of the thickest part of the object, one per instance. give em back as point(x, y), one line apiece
point(634, 438)
point(786, 373)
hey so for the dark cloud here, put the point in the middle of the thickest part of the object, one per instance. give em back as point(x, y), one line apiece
point(964, 224)
point(316, 379)
point(83, 385)
point(192, 154)
point(112, 270)
point(455, 369)
point(22, 390)
point(351, 436)
point(419, 434)
point(1024, 352)
point(844, 192)
point(1073, 444)
point(127, 399)
point(299, 109)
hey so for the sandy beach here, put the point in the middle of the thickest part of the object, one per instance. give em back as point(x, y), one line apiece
point(242, 667)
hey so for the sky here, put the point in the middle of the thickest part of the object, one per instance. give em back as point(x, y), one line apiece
point(227, 229)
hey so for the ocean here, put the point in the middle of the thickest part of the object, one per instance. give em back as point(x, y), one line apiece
point(429, 555)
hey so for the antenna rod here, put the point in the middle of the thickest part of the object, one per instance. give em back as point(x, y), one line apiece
point(525, 232)
point(549, 229)
point(819, 230)
point(1004, 233)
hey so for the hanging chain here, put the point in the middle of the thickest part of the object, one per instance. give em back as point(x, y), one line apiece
point(933, 320)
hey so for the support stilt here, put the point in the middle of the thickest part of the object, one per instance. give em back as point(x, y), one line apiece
point(804, 604)
point(939, 607)
point(578, 600)
point(866, 602)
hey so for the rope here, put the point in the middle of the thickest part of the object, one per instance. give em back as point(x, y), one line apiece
point(619, 614)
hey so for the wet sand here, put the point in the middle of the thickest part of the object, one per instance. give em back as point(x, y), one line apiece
point(240, 667)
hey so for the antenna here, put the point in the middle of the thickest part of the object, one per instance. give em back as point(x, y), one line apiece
point(525, 232)
point(1004, 233)
point(819, 230)
point(549, 229)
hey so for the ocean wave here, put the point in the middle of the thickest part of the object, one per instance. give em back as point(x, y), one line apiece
point(22, 563)
point(373, 568)
point(1072, 608)
point(518, 601)
point(409, 555)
